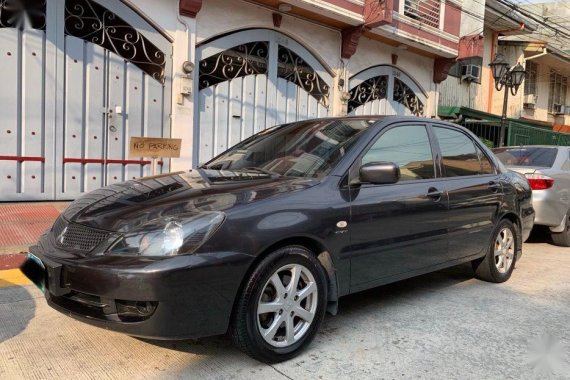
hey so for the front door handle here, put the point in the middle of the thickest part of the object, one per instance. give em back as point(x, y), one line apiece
point(434, 194)
point(494, 186)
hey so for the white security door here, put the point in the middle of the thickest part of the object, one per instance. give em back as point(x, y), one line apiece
point(26, 135)
point(385, 90)
point(83, 77)
point(252, 80)
point(117, 85)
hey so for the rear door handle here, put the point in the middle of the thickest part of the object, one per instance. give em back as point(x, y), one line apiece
point(434, 194)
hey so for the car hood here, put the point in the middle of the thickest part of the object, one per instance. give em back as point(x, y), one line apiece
point(128, 205)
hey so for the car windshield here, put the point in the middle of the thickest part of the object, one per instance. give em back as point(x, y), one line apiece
point(302, 149)
point(537, 157)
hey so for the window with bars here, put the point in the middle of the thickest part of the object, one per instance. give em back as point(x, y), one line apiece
point(530, 78)
point(557, 93)
point(425, 11)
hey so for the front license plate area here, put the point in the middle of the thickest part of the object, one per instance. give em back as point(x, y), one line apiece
point(35, 270)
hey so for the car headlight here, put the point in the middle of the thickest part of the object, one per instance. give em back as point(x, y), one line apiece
point(168, 237)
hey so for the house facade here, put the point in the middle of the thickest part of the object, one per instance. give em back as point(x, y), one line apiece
point(82, 77)
point(541, 101)
point(476, 89)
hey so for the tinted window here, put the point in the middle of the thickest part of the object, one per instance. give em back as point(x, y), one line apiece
point(458, 152)
point(538, 157)
point(302, 149)
point(486, 165)
point(409, 148)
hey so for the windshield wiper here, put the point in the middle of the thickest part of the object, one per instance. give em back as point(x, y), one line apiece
point(260, 170)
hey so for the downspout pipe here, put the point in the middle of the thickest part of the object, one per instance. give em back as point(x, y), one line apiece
point(544, 52)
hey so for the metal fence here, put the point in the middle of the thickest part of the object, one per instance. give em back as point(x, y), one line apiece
point(516, 134)
point(488, 131)
point(519, 134)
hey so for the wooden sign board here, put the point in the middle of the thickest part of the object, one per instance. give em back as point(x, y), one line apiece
point(154, 147)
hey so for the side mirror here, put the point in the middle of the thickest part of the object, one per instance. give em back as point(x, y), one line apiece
point(380, 173)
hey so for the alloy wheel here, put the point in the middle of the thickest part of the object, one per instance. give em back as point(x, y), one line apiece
point(287, 305)
point(504, 250)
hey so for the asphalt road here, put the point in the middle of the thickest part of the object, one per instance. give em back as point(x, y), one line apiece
point(445, 325)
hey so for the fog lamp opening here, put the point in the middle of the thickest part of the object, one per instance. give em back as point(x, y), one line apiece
point(134, 311)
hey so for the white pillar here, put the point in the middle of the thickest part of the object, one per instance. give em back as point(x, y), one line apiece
point(183, 105)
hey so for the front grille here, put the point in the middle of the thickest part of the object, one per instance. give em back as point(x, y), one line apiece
point(76, 236)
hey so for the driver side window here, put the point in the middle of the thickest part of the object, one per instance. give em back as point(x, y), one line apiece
point(408, 147)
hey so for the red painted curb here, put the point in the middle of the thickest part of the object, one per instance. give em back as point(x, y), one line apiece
point(11, 261)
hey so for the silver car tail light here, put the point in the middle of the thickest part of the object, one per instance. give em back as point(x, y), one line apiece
point(539, 181)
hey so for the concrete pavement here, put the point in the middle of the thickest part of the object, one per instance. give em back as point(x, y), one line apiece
point(445, 325)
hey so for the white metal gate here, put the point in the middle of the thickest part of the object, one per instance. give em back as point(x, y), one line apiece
point(251, 80)
point(88, 75)
point(385, 90)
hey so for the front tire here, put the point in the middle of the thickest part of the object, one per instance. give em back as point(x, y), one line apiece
point(499, 262)
point(562, 239)
point(281, 306)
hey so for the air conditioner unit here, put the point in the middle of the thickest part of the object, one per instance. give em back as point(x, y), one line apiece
point(557, 109)
point(529, 106)
point(530, 99)
point(470, 72)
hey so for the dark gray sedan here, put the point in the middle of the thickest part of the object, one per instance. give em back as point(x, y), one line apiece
point(266, 237)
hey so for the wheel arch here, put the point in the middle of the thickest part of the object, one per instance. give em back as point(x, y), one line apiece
point(314, 246)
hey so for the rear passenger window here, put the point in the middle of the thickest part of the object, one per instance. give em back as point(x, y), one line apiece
point(460, 156)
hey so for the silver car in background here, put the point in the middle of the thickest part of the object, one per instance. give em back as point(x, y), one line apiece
point(547, 169)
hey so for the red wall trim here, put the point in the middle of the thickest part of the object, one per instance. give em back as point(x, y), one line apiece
point(347, 5)
point(471, 46)
point(377, 12)
point(104, 161)
point(22, 158)
point(452, 19)
point(441, 68)
point(189, 8)
point(424, 34)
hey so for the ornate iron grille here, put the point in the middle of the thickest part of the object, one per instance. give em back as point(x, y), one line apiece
point(76, 236)
point(404, 95)
point(92, 22)
point(239, 61)
point(371, 89)
point(19, 13)
point(293, 68)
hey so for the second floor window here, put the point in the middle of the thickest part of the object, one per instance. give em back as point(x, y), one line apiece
point(530, 78)
point(425, 11)
point(557, 94)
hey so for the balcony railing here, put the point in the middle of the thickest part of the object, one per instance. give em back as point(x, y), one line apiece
point(425, 11)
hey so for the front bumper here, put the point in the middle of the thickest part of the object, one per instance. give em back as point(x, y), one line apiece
point(192, 295)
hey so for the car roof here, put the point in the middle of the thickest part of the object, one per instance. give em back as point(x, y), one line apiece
point(387, 118)
point(531, 146)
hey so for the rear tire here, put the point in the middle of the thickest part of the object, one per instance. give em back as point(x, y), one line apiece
point(562, 239)
point(499, 262)
point(290, 285)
